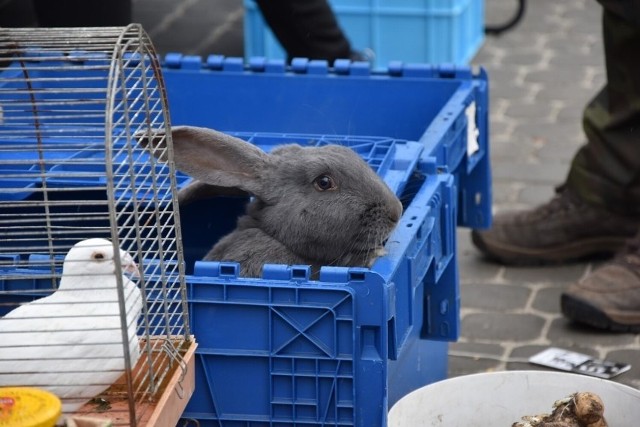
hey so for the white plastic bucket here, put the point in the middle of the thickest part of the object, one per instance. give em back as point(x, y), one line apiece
point(501, 398)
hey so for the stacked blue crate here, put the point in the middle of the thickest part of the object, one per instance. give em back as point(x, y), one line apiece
point(432, 31)
point(283, 350)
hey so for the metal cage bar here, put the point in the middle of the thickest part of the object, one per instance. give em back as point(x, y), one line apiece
point(74, 103)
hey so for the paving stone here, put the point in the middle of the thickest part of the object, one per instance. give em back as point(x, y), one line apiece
point(493, 297)
point(470, 265)
point(572, 112)
point(499, 128)
point(552, 135)
point(503, 192)
point(565, 333)
point(589, 56)
point(479, 349)
point(516, 40)
point(576, 41)
point(575, 94)
point(541, 112)
point(559, 77)
point(562, 154)
point(469, 360)
point(501, 76)
point(485, 55)
point(545, 274)
point(507, 90)
point(547, 299)
point(502, 326)
point(529, 57)
point(464, 366)
point(552, 173)
point(509, 150)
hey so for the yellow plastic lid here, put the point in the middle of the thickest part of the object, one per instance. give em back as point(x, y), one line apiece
point(28, 407)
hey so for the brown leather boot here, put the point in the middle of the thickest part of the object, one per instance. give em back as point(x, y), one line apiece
point(563, 229)
point(609, 297)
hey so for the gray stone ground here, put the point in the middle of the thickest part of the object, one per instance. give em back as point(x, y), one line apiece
point(542, 73)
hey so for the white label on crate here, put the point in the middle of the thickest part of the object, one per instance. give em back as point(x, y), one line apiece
point(472, 130)
point(579, 363)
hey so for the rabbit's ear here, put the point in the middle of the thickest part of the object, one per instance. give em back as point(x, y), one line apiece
point(198, 190)
point(218, 159)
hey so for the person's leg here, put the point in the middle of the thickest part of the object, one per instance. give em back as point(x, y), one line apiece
point(598, 207)
point(606, 171)
point(306, 28)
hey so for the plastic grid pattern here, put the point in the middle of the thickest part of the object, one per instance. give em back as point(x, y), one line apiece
point(284, 350)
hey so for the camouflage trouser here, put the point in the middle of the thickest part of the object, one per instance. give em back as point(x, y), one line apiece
point(606, 171)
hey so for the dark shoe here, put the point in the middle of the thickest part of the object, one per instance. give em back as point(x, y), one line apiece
point(564, 229)
point(609, 297)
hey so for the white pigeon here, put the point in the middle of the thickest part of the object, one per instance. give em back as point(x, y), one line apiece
point(70, 342)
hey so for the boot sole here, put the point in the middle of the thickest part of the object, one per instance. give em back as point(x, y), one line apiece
point(581, 311)
point(517, 255)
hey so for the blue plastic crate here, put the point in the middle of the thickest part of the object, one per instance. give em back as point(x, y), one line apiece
point(284, 350)
point(412, 124)
point(415, 102)
point(431, 31)
point(334, 352)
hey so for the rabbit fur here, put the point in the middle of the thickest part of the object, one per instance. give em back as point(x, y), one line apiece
point(312, 205)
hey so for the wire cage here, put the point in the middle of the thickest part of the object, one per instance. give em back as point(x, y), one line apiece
point(73, 104)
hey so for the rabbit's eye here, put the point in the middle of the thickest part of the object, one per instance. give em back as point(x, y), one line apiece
point(324, 183)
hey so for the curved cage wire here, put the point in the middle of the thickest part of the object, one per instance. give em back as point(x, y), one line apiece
point(73, 104)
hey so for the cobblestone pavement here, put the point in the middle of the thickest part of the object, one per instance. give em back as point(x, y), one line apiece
point(542, 73)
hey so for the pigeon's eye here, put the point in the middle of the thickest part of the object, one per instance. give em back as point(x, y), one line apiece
point(98, 256)
point(324, 183)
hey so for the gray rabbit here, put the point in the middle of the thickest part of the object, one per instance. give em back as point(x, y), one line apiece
point(312, 206)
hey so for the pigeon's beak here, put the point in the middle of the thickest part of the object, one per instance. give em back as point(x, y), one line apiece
point(129, 265)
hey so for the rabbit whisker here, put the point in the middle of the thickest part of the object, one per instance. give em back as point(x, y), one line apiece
point(347, 250)
point(364, 256)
